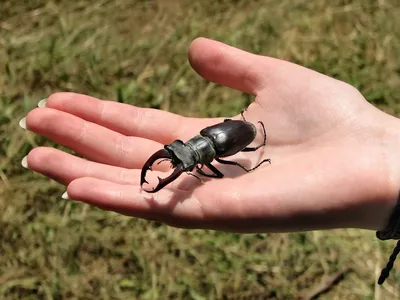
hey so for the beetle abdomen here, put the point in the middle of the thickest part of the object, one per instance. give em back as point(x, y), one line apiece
point(230, 137)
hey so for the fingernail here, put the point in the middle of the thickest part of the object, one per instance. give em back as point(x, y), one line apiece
point(65, 196)
point(24, 162)
point(22, 123)
point(42, 103)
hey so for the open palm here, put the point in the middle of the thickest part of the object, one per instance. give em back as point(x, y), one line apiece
point(330, 164)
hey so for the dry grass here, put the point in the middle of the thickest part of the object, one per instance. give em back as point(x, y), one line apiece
point(136, 52)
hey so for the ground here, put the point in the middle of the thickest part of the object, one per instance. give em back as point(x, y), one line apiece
point(136, 52)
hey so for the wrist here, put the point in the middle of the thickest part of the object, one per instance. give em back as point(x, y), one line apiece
point(388, 142)
point(389, 225)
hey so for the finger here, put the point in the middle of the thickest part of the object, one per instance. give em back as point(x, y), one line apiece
point(229, 66)
point(242, 70)
point(90, 140)
point(154, 124)
point(64, 167)
point(177, 208)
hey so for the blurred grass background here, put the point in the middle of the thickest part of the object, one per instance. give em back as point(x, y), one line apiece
point(136, 52)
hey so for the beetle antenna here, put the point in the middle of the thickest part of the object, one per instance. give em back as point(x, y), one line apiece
point(194, 175)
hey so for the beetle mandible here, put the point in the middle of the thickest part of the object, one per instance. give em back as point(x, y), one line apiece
point(216, 141)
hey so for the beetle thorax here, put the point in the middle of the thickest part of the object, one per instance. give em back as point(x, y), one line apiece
point(203, 147)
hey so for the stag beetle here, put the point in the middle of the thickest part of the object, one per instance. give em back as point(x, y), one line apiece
point(216, 141)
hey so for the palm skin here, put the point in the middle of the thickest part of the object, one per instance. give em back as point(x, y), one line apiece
point(333, 155)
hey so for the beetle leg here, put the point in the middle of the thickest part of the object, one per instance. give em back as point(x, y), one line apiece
point(217, 173)
point(251, 149)
point(149, 163)
point(201, 172)
point(228, 162)
point(242, 114)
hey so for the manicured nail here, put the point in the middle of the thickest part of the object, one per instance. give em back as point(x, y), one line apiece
point(24, 162)
point(65, 196)
point(42, 103)
point(22, 123)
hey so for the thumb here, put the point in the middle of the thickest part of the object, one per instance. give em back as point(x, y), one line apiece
point(230, 66)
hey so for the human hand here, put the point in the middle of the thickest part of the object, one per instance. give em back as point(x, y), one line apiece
point(334, 161)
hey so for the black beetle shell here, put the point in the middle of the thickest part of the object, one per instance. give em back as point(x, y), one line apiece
point(230, 137)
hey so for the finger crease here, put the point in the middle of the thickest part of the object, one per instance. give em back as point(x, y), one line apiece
point(86, 169)
point(82, 132)
point(138, 121)
point(201, 208)
point(181, 128)
point(123, 176)
point(103, 111)
point(120, 149)
point(250, 81)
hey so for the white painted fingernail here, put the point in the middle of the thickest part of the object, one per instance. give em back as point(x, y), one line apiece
point(42, 103)
point(65, 196)
point(22, 123)
point(24, 162)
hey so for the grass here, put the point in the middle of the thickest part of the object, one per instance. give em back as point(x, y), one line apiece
point(136, 52)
